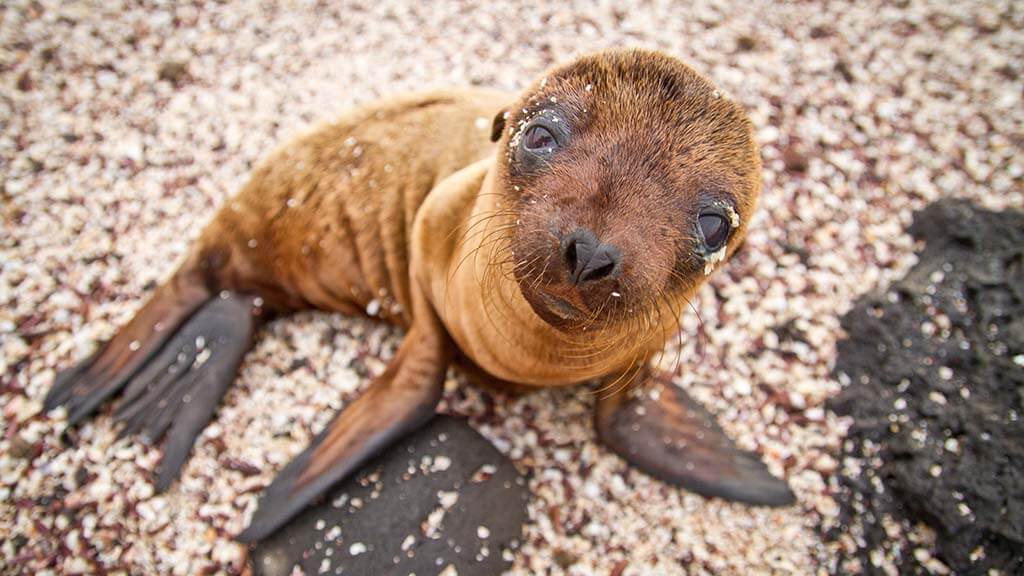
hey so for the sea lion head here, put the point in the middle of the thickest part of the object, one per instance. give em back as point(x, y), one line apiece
point(630, 177)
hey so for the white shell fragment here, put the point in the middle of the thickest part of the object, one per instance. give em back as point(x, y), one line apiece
point(713, 259)
point(734, 218)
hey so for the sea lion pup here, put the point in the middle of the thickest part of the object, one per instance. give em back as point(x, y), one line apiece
point(562, 254)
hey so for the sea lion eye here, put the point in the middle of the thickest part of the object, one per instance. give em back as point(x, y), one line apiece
point(715, 229)
point(539, 139)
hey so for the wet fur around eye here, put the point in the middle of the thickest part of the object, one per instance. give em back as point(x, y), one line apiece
point(539, 140)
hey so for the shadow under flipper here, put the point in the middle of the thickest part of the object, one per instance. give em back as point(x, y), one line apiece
point(665, 433)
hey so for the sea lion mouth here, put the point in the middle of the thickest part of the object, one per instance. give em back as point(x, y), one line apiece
point(561, 307)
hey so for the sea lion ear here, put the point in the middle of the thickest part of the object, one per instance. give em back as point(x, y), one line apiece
point(499, 125)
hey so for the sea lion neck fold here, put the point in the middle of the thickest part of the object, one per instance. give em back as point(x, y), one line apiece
point(481, 304)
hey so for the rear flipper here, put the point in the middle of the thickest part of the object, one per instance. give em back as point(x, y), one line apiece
point(175, 378)
point(83, 388)
point(178, 391)
point(663, 432)
point(398, 402)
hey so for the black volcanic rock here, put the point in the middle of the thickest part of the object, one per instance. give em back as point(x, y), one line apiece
point(442, 497)
point(936, 390)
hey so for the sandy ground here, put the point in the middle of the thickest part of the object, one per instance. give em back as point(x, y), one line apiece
point(124, 127)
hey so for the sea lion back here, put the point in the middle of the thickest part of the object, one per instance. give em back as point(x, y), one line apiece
point(324, 222)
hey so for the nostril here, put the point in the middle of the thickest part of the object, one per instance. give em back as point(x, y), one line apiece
point(570, 257)
point(603, 263)
point(587, 259)
point(577, 248)
point(597, 273)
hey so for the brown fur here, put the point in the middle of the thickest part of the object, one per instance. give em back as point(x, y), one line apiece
point(326, 221)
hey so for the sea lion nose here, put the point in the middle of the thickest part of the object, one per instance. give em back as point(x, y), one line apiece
point(587, 259)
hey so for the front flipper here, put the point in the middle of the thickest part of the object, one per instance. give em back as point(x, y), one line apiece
point(399, 401)
point(659, 429)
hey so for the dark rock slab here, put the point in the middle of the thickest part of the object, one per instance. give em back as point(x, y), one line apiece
point(936, 370)
point(444, 496)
